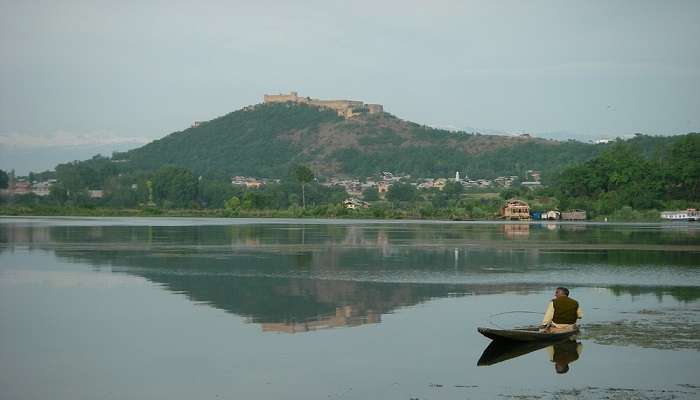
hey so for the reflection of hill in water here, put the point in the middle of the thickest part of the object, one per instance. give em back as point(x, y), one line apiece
point(259, 292)
point(294, 278)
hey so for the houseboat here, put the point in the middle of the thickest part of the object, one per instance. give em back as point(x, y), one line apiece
point(515, 210)
point(690, 214)
point(573, 215)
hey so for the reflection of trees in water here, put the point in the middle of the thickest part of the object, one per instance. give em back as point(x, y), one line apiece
point(412, 246)
point(690, 293)
point(380, 235)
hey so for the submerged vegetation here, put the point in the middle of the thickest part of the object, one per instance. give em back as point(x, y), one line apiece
point(658, 329)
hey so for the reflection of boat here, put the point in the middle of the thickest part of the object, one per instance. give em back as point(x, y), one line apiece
point(502, 350)
point(561, 352)
point(564, 353)
point(528, 334)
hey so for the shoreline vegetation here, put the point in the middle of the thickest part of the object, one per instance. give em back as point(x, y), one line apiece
point(629, 181)
point(296, 213)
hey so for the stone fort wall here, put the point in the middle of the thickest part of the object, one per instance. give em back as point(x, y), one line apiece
point(344, 108)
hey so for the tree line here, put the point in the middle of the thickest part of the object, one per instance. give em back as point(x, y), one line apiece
point(644, 173)
point(633, 177)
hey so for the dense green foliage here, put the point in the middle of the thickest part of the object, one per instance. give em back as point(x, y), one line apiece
point(174, 187)
point(267, 140)
point(438, 160)
point(303, 175)
point(4, 179)
point(629, 177)
point(683, 168)
point(89, 174)
point(370, 194)
point(402, 193)
point(244, 142)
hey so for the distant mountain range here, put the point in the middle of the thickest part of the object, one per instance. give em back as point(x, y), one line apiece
point(266, 140)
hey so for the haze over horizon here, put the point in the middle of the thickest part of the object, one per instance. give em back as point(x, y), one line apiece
point(86, 77)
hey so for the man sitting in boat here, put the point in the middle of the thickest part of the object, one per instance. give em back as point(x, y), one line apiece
point(562, 313)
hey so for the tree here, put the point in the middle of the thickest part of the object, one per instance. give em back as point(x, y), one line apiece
point(370, 194)
point(233, 203)
point(4, 179)
point(453, 189)
point(58, 193)
point(173, 186)
point(248, 200)
point(303, 175)
point(509, 193)
point(215, 193)
point(684, 168)
point(619, 176)
point(401, 192)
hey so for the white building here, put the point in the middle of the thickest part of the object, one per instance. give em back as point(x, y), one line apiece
point(690, 214)
point(96, 194)
point(354, 204)
point(43, 188)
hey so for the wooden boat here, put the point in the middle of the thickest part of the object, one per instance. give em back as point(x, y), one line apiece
point(526, 334)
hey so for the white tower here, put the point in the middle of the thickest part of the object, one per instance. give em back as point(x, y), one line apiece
point(457, 176)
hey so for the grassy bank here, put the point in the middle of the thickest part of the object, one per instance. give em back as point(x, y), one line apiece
point(624, 215)
point(312, 212)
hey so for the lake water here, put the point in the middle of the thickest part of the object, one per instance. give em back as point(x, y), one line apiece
point(118, 308)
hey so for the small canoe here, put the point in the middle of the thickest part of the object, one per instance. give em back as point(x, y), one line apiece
point(529, 334)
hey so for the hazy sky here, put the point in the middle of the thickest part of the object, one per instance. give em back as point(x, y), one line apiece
point(119, 73)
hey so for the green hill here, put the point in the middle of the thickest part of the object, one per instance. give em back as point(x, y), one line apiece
point(267, 139)
point(192, 168)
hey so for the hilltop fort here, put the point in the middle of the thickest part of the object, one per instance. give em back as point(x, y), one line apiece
point(344, 108)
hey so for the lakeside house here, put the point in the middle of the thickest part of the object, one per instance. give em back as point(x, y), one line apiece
point(43, 188)
point(353, 186)
point(690, 214)
point(355, 204)
point(426, 184)
point(515, 210)
point(96, 193)
point(21, 187)
point(573, 215)
point(383, 187)
point(248, 182)
point(552, 215)
point(531, 184)
point(439, 183)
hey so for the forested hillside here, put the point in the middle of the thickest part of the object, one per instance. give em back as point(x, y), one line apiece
point(642, 173)
point(265, 140)
point(192, 169)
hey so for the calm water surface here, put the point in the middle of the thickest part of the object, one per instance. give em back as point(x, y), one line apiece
point(268, 309)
